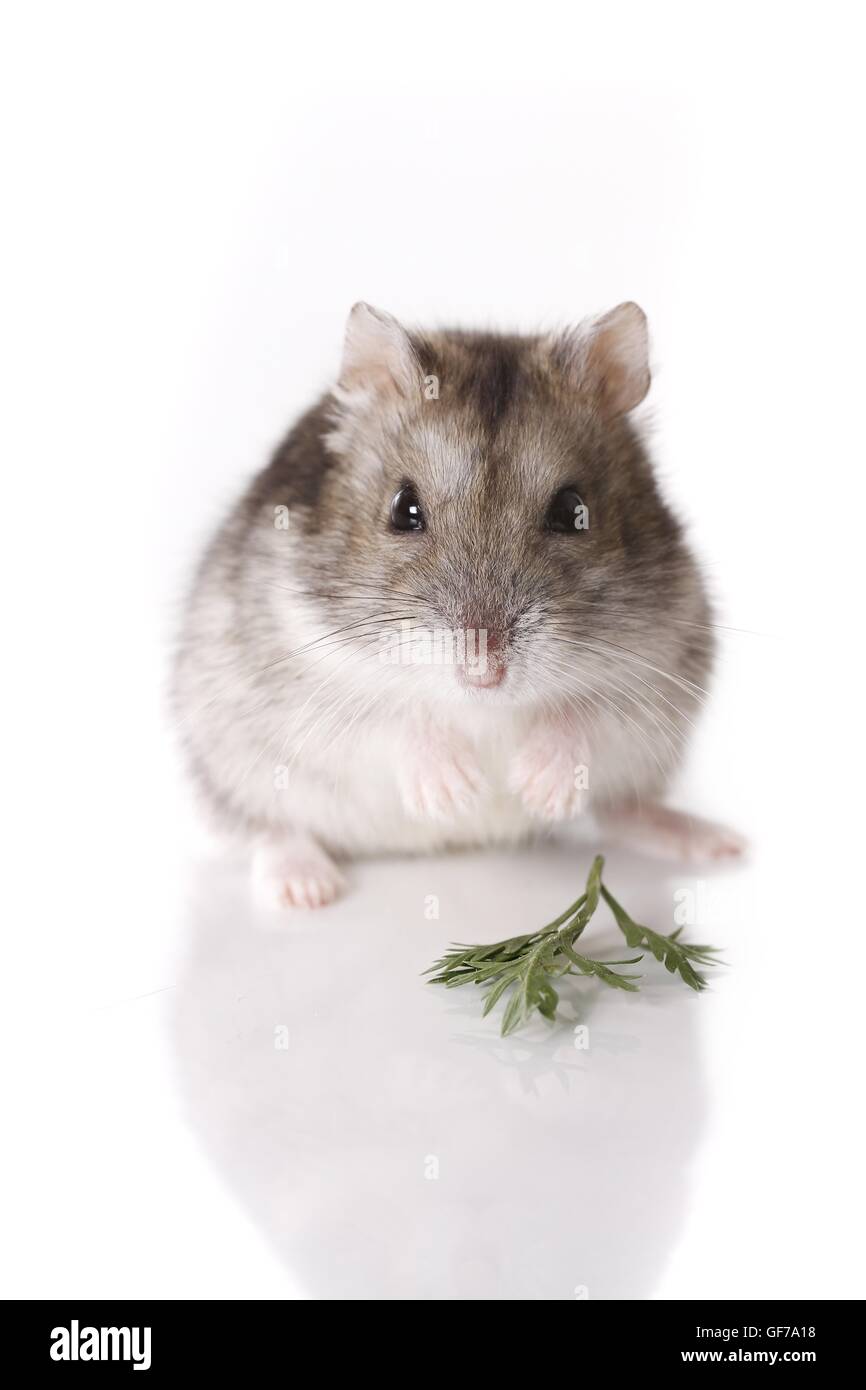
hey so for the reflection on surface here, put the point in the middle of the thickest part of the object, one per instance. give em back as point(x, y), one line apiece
point(386, 1138)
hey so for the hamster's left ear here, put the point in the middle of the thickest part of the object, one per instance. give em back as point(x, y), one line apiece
point(609, 356)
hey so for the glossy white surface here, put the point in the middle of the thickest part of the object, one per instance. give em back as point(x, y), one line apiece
point(398, 1147)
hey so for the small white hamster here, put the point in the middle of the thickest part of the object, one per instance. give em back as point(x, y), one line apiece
point(453, 608)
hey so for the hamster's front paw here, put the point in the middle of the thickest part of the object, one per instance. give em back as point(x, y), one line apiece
point(439, 780)
point(549, 774)
point(297, 873)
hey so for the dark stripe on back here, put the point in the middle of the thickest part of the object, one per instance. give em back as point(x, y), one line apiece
point(480, 372)
point(494, 379)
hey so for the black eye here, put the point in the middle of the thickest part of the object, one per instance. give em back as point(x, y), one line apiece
point(567, 512)
point(406, 513)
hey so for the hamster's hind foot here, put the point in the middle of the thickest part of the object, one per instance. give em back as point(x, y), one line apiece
point(294, 873)
point(668, 834)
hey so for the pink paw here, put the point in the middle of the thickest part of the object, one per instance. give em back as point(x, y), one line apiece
point(702, 841)
point(441, 782)
point(668, 834)
point(550, 777)
point(295, 875)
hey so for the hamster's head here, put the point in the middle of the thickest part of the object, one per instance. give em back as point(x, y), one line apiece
point(487, 515)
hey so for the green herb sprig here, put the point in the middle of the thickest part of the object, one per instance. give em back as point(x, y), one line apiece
point(528, 964)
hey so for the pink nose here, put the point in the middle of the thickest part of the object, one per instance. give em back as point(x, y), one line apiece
point(485, 664)
point(493, 675)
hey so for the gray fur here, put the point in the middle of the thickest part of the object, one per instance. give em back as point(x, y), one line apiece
point(610, 626)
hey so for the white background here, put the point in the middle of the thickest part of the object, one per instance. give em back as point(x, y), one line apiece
point(193, 196)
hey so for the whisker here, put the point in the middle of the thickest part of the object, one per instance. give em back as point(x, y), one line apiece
point(649, 684)
point(233, 681)
point(690, 686)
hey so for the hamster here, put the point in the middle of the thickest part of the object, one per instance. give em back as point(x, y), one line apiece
point(453, 610)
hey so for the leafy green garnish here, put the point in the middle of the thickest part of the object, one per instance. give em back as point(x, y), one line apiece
point(675, 955)
point(527, 964)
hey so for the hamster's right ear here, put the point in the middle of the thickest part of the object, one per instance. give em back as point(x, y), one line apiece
point(377, 354)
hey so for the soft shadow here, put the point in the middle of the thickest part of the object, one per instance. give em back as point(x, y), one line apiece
point(558, 1169)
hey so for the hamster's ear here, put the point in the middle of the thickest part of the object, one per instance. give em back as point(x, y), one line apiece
point(377, 353)
point(610, 358)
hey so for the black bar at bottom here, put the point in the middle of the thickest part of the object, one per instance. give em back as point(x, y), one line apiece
point(155, 1339)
